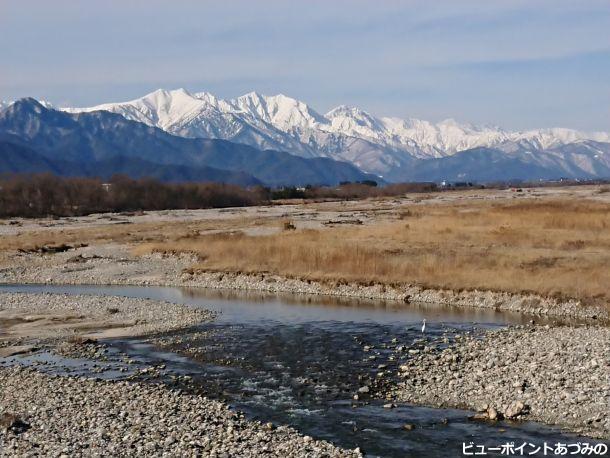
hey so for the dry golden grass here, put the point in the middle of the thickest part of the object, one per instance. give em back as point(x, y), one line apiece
point(30, 240)
point(100, 233)
point(551, 247)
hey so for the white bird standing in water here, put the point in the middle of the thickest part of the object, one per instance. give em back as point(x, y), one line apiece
point(423, 326)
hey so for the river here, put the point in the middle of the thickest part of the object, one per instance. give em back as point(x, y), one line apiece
point(300, 360)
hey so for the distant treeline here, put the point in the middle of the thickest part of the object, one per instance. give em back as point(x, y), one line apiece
point(360, 190)
point(41, 195)
point(48, 195)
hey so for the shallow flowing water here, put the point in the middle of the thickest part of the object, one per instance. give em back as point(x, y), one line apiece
point(299, 361)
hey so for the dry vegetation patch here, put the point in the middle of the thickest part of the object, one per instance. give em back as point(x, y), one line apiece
point(557, 247)
point(108, 231)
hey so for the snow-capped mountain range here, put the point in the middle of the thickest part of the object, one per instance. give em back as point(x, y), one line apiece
point(384, 146)
point(39, 139)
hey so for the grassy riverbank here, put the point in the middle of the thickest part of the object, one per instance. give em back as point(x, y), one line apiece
point(555, 247)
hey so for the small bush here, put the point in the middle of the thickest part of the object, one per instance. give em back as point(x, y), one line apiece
point(289, 226)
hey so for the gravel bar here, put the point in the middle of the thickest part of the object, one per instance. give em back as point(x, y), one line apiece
point(556, 375)
point(44, 415)
point(63, 315)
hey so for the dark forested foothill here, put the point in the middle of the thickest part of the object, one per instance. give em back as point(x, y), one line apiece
point(48, 195)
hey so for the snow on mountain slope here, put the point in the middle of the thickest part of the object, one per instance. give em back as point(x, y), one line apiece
point(4, 104)
point(375, 145)
point(280, 111)
point(424, 139)
point(174, 111)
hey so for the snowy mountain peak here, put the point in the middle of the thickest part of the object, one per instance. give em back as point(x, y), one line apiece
point(161, 108)
point(164, 93)
point(213, 101)
point(450, 122)
point(357, 115)
point(6, 104)
point(162, 98)
point(279, 110)
point(345, 110)
point(175, 101)
point(207, 97)
point(354, 121)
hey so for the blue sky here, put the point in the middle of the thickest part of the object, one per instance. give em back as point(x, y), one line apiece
point(517, 64)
